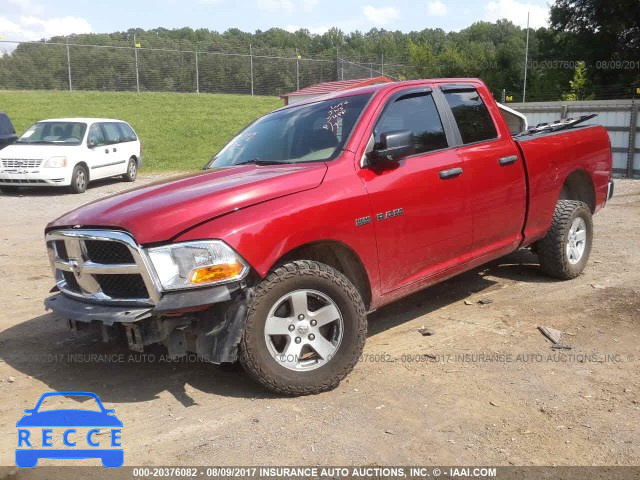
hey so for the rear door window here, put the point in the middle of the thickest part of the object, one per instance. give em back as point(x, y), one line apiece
point(112, 132)
point(416, 112)
point(471, 115)
point(126, 133)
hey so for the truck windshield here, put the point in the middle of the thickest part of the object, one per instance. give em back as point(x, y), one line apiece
point(54, 133)
point(307, 133)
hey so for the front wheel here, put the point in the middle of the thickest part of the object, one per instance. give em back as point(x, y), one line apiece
point(305, 329)
point(79, 179)
point(564, 251)
point(132, 171)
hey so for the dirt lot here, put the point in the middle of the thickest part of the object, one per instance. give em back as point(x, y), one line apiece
point(492, 391)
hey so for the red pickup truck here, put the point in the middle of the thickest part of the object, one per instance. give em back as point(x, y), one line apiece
point(323, 211)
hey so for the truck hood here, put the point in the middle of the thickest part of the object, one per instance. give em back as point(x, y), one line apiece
point(42, 152)
point(160, 211)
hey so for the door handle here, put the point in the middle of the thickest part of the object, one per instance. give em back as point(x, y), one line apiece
point(508, 160)
point(115, 149)
point(106, 150)
point(450, 173)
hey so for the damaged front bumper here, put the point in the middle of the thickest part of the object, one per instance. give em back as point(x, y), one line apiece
point(208, 321)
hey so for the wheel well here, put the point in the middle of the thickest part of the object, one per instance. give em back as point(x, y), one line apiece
point(578, 186)
point(339, 256)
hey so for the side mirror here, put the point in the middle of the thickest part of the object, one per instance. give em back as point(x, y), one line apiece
point(92, 143)
point(393, 146)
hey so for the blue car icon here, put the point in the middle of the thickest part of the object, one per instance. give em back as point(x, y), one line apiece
point(68, 418)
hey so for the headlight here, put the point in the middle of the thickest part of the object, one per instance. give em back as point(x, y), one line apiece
point(194, 264)
point(55, 162)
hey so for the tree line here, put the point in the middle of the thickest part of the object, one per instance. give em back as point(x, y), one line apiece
point(590, 50)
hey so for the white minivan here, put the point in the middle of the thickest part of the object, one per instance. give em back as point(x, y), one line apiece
point(70, 152)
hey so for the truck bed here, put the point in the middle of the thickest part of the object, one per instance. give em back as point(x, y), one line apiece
point(549, 159)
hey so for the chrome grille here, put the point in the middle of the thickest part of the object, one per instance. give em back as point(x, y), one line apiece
point(101, 266)
point(108, 252)
point(21, 163)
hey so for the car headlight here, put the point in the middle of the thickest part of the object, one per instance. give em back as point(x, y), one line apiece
point(55, 162)
point(195, 264)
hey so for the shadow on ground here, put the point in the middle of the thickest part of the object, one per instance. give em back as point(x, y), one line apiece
point(44, 348)
point(520, 266)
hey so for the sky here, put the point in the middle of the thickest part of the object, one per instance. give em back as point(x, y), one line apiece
point(36, 19)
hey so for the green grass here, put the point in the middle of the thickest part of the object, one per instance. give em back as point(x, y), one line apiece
point(178, 131)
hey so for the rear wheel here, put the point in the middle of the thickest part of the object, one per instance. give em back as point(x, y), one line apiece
point(79, 179)
point(305, 329)
point(132, 170)
point(564, 251)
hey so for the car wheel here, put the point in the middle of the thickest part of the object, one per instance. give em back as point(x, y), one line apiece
point(564, 251)
point(305, 329)
point(132, 170)
point(112, 459)
point(8, 189)
point(26, 459)
point(79, 179)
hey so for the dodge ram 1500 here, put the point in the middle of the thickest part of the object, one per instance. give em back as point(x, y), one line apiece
point(323, 211)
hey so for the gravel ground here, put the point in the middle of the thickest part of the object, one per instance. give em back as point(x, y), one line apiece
point(485, 388)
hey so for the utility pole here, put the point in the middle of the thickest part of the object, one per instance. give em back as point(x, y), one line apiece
point(135, 53)
point(251, 67)
point(526, 62)
point(69, 66)
point(337, 63)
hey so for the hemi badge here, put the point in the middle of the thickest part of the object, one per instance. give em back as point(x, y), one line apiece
point(363, 221)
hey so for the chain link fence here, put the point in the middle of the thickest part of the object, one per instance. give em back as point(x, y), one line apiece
point(236, 69)
point(56, 66)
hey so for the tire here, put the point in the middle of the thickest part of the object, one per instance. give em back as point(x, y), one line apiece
point(26, 459)
point(8, 189)
point(112, 459)
point(79, 179)
point(564, 251)
point(132, 170)
point(315, 364)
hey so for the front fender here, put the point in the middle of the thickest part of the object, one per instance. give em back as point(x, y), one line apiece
point(264, 233)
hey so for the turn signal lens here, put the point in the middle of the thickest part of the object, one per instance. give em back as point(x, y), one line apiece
point(215, 273)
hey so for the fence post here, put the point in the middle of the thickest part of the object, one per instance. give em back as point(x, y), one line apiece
point(633, 129)
point(297, 70)
point(382, 64)
point(197, 73)
point(564, 111)
point(69, 66)
point(135, 53)
point(371, 70)
point(251, 66)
